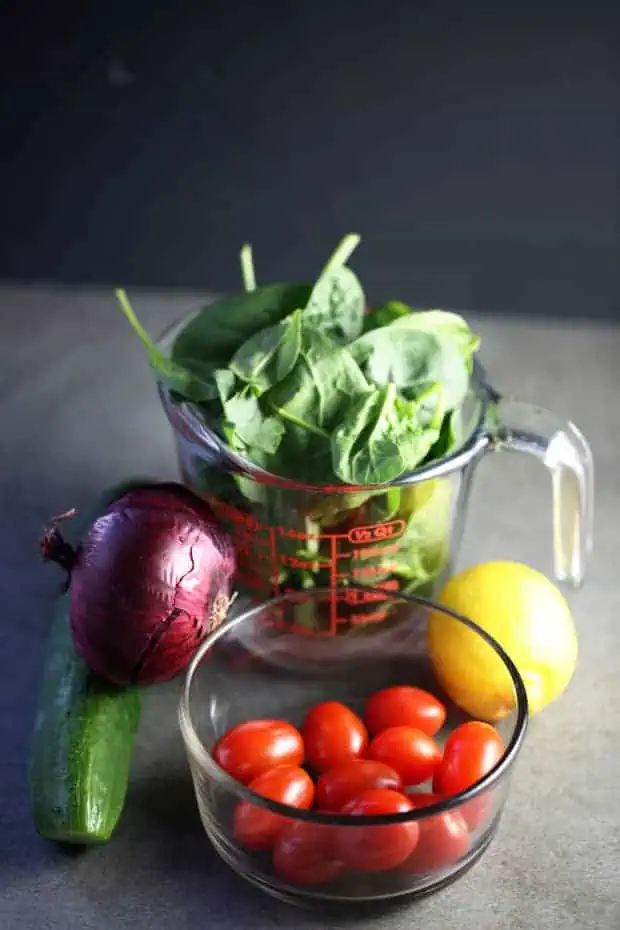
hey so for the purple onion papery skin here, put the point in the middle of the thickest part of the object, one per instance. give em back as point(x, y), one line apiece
point(151, 578)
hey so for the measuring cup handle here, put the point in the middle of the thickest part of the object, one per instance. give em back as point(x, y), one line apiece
point(558, 444)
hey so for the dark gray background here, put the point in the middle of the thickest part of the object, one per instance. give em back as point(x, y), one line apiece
point(474, 146)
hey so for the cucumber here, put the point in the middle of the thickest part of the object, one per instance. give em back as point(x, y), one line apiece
point(83, 739)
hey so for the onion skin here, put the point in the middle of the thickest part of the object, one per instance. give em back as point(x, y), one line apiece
point(151, 578)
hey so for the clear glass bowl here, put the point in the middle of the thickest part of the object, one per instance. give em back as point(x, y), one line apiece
point(258, 665)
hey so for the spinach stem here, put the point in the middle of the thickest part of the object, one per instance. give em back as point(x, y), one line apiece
point(390, 394)
point(343, 252)
point(247, 268)
point(128, 310)
point(140, 331)
point(286, 415)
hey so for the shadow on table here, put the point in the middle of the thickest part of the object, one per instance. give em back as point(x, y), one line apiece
point(165, 808)
point(160, 863)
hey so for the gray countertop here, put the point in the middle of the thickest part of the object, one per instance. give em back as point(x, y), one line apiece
point(77, 412)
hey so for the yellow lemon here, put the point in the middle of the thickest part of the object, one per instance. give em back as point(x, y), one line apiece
point(527, 615)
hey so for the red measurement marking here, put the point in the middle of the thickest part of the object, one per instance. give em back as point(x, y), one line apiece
point(307, 564)
point(358, 596)
point(239, 517)
point(375, 552)
point(354, 596)
point(376, 532)
point(377, 617)
point(368, 570)
point(333, 620)
point(274, 562)
point(294, 534)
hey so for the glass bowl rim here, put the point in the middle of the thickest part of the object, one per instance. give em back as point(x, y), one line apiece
point(184, 416)
point(195, 747)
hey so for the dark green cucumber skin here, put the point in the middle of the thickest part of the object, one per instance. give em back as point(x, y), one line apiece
point(82, 746)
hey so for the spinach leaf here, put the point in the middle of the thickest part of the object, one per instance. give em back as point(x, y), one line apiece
point(427, 509)
point(415, 360)
point(332, 509)
point(198, 373)
point(244, 415)
point(217, 331)
point(226, 383)
point(307, 404)
point(443, 323)
point(450, 437)
point(320, 385)
point(303, 454)
point(270, 354)
point(189, 378)
point(337, 303)
point(381, 438)
point(385, 314)
point(387, 355)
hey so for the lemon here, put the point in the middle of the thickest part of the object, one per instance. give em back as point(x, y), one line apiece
point(527, 615)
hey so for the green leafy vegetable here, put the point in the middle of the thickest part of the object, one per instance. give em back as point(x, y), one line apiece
point(226, 384)
point(219, 329)
point(301, 381)
point(337, 302)
point(324, 379)
point(385, 314)
point(414, 360)
point(442, 323)
point(381, 439)
point(268, 356)
point(243, 413)
point(190, 378)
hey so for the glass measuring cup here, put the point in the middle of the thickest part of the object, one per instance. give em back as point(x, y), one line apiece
point(403, 537)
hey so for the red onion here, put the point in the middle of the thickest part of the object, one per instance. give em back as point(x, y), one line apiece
point(149, 580)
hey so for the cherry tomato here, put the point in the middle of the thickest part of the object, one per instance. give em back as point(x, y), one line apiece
point(376, 848)
point(413, 754)
point(404, 706)
point(253, 826)
point(251, 748)
point(444, 838)
point(338, 785)
point(303, 854)
point(471, 751)
point(333, 734)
